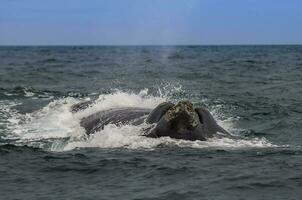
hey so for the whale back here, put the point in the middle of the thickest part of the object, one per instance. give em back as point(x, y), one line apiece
point(97, 121)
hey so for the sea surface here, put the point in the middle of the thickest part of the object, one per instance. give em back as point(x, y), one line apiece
point(255, 92)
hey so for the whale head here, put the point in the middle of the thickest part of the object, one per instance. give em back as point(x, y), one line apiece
point(182, 116)
point(180, 121)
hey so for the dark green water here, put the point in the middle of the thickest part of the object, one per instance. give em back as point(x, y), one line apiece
point(255, 92)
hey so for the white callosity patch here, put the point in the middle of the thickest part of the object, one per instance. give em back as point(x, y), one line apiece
point(56, 124)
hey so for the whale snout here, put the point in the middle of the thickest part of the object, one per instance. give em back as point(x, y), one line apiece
point(182, 116)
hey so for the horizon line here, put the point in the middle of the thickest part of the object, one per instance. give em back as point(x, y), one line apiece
point(109, 45)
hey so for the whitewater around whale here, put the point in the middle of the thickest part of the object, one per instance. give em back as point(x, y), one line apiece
point(55, 128)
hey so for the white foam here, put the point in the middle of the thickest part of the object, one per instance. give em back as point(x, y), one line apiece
point(9, 117)
point(130, 137)
point(55, 123)
point(120, 99)
point(29, 94)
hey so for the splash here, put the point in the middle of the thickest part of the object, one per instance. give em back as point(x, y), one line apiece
point(130, 137)
point(120, 99)
point(55, 128)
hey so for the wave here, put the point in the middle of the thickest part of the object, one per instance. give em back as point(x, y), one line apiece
point(33, 93)
point(55, 128)
point(27, 92)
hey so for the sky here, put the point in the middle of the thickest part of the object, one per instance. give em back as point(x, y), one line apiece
point(150, 22)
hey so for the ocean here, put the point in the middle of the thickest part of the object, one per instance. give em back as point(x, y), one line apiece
point(254, 92)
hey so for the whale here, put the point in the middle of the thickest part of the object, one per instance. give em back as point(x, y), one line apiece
point(180, 121)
